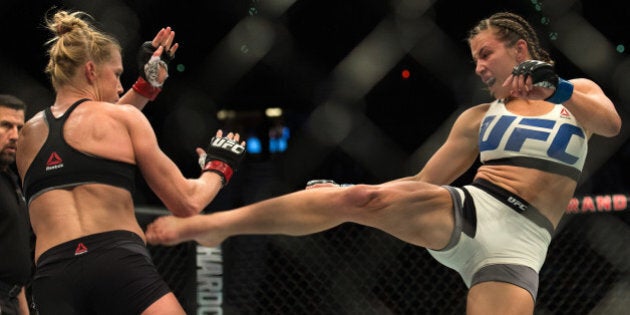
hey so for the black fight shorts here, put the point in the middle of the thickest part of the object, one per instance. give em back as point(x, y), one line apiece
point(105, 273)
point(9, 305)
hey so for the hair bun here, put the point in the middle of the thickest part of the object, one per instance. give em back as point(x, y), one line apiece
point(62, 29)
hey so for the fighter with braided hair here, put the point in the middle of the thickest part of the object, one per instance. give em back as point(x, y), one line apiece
point(495, 232)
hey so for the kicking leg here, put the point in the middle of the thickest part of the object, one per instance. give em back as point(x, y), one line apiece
point(299, 213)
point(416, 212)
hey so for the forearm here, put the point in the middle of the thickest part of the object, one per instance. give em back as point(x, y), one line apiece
point(191, 196)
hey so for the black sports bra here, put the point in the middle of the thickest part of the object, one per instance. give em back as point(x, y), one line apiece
point(58, 165)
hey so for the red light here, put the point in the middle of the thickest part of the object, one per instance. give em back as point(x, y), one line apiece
point(405, 74)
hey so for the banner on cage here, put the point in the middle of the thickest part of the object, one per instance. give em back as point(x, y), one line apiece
point(598, 203)
point(209, 281)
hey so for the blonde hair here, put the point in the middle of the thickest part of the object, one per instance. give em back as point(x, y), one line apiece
point(75, 42)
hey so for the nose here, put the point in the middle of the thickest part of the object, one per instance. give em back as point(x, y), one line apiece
point(119, 88)
point(14, 133)
point(479, 68)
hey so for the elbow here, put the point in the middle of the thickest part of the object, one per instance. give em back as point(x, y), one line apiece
point(613, 129)
point(606, 127)
point(615, 132)
point(614, 124)
point(618, 124)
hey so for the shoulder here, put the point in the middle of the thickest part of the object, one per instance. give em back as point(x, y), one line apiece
point(476, 112)
point(37, 120)
point(121, 112)
point(38, 117)
point(118, 108)
point(481, 108)
point(129, 117)
point(468, 122)
point(32, 135)
point(108, 117)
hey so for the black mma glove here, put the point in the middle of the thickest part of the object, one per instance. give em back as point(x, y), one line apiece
point(223, 157)
point(148, 65)
point(147, 84)
point(544, 75)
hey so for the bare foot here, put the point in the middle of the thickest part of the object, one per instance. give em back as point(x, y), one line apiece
point(171, 230)
point(166, 230)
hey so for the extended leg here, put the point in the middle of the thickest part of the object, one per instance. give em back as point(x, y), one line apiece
point(416, 212)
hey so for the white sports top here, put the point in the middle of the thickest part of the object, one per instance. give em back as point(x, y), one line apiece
point(554, 142)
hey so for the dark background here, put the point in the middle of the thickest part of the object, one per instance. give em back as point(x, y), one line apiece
point(334, 67)
point(394, 123)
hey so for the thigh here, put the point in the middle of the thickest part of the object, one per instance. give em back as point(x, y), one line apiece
point(499, 298)
point(118, 280)
point(415, 212)
point(126, 282)
point(51, 295)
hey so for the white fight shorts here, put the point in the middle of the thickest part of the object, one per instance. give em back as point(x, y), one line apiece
point(498, 236)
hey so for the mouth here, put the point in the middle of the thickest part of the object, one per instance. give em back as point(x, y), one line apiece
point(9, 151)
point(490, 81)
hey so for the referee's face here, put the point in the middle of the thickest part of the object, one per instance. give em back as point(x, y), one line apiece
point(11, 123)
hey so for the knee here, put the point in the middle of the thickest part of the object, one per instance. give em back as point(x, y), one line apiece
point(361, 197)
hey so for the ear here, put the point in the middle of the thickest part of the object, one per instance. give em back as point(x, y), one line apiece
point(522, 51)
point(90, 71)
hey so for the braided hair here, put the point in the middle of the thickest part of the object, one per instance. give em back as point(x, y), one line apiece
point(509, 28)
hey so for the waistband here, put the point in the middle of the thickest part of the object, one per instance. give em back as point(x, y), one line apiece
point(516, 203)
point(94, 242)
point(10, 290)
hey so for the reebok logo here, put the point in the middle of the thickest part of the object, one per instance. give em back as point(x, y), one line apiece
point(81, 249)
point(54, 162)
point(564, 113)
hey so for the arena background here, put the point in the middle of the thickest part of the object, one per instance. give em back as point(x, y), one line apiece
point(335, 69)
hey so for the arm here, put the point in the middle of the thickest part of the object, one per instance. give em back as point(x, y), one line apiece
point(459, 151)
point(142, 92)
point(454, 157)
point(24, 310)
point(593, 109)
point(538, 80)
point(182, 196)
